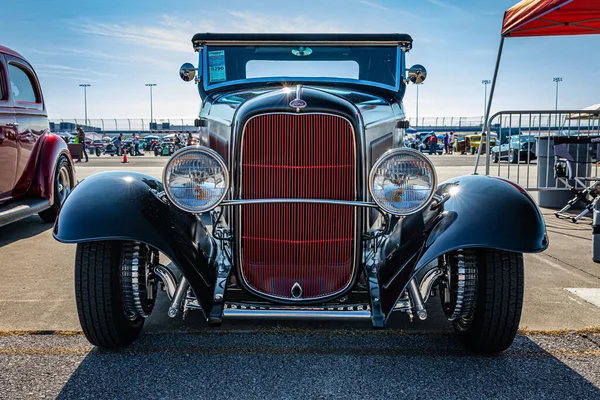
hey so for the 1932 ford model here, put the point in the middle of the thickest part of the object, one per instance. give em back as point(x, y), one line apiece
point(301, 202)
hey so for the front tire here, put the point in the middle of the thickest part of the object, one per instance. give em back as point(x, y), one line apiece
point(99, 297)
point(494, 322)
point(495, 157)
point(63, 183)
point(513, 157)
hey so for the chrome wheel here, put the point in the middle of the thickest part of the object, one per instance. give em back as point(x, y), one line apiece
point(63, 184)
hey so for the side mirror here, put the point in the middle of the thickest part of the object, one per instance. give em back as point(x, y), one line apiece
point(187, 72)
point(417, 74)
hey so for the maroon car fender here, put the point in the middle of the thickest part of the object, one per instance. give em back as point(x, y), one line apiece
point(50, 148)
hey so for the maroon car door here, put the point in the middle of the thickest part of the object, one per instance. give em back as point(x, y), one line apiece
point(8, 137)
point(31, 118)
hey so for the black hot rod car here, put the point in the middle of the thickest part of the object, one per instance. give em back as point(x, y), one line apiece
point(301, 202)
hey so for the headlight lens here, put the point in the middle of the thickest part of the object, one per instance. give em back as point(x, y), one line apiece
point(196, 179)
point(402, 181)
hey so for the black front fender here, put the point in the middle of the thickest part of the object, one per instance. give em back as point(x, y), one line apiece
point(122, 206)
point(485, 211)
point(481, 212)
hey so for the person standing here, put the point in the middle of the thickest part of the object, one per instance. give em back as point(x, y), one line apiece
point(451, 142)
point(433, 144)
point(136, 145)
point(118, 143)
point(81, 138)
point(446, 142)
point(190, 139)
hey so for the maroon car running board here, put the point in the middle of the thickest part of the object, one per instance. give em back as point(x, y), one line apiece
point(16, 210)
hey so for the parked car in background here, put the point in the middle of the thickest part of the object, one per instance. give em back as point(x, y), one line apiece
point(515, 148)
point(459, 144)
point(316, 209)
point(424, 145)
point(472, 143)
point(151, 141)
point(110, 148)
point(36, 169)
point(97, 146)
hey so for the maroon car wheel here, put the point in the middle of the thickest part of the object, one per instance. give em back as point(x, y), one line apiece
point(63, 184)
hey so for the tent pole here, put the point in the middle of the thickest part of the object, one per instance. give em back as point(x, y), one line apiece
point(486, 127)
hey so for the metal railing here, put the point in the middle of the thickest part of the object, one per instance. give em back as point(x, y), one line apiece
point(114, 126)
point(145, 125)
point(525, 149)
point(446, 122)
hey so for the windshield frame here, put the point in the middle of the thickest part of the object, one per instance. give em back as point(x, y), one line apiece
point(400, 76)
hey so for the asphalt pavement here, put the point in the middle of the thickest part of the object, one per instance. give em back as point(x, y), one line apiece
point(297, 364)
point(185, 359)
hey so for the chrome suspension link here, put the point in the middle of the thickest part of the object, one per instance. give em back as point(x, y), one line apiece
point(177, 301)
point(417, 300)
point(167, 278)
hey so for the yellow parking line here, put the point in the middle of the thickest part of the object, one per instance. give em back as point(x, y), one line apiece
point(307, 331)
point(39, 332)
point(413, 352)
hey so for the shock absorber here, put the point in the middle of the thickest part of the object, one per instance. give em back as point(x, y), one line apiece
point(596, 233)
point(417, 300)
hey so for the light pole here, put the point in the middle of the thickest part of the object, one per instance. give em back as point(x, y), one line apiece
point(85, 86)
point(151, 85)
point(485, 82)
point(557, 79)
point(417, 124)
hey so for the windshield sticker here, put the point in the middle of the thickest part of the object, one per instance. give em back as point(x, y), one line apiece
point(216, 66)
point(302, 51)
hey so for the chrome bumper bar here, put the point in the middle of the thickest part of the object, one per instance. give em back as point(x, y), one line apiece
point(237, 313)
point(299, 201)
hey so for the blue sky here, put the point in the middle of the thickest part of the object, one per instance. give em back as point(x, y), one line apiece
point(118, 46)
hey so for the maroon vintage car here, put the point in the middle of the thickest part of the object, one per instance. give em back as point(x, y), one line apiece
point(36, 170)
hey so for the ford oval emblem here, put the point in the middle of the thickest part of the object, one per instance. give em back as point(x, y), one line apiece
point(298, 103)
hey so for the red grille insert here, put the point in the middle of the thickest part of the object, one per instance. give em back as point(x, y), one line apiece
point(298, 156)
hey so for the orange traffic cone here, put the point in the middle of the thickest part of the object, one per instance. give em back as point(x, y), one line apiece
point(124, 157)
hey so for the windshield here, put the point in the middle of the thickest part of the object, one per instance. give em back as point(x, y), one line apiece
point(229, 64)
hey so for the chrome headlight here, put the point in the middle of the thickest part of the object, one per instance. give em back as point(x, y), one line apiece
point(196, 179)
point(402, 181)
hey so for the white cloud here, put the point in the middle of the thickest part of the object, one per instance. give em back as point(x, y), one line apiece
point(373, 4)
point(248, 21)
point(174, 33)
point(450, 7)
point(148, 36)
point(67, 70)
point(99, 57)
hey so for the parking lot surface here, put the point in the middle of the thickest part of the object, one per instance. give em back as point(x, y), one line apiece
point(298, 364)
point(178, 358)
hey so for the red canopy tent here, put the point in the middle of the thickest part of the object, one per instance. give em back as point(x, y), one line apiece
point(552, 17)
point(545, 18)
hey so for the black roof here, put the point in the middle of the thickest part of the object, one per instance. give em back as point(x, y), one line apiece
point(201, 39)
